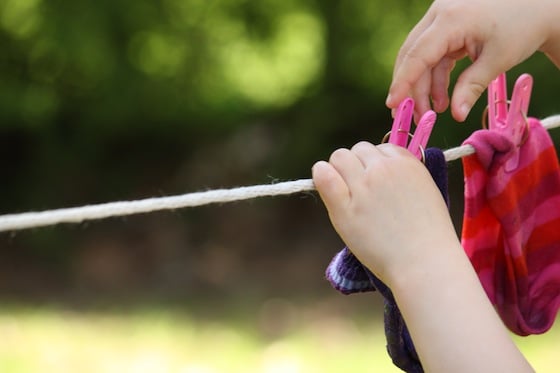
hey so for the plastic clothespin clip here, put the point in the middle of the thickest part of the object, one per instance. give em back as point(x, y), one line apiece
point(510, 122)
point(401, 124)
point(422, 134)
point(497, 103)
point(517, 125)
point(400, 131)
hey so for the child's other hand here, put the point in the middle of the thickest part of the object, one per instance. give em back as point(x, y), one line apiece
point(385, 206)
point(496, 35)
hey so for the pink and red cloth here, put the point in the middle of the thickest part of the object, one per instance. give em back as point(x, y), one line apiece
point(511, 226)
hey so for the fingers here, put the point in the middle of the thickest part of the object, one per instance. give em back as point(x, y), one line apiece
point(335, 180)
point(344, 174)
point(366, 152)
point(351, 176)
point(421, 95)
point(422, 56)
point(331, 186)
point(413, 36)
point(425, 22)
point(347, 164)
point(472, 82)
point(440, 84)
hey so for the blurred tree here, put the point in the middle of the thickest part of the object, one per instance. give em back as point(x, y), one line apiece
point(105, 100)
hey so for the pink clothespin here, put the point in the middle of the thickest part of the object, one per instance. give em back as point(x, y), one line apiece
point(512, 121)
point(497, 102)
point(517, 115)
point(422, 134)
point(401, 124)
point(400, 131)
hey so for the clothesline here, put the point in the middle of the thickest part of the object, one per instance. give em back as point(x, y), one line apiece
point(13, 222)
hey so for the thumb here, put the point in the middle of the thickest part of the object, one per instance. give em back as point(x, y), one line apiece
point(472, 82)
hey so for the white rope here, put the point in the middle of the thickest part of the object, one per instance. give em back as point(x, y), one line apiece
point(464, 150)
point(27, 220)
point(122, 208)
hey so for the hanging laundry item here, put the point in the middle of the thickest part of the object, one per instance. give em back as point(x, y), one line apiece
point(511, 225)
point(348, 275)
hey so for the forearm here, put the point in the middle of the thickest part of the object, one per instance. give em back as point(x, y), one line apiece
point(452, 323)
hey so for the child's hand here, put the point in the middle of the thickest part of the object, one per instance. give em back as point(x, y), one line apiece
point(386, 207)
point(388, 210)
point(496, 35)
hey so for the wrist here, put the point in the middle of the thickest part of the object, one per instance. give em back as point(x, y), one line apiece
point(442, 303)
point(435, 265)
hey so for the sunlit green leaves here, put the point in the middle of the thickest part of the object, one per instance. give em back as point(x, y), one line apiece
point(157, 53)
point(21, 18)
point(275, 72)
point(194, 69)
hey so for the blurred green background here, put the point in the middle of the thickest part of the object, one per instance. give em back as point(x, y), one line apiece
point(114, 100)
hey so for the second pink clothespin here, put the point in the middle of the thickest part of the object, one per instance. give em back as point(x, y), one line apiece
point(510, 121)
point(422, 134)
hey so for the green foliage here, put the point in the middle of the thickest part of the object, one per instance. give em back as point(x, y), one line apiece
point(192, 66)
point(114, 66)
point(106, 100)
point(93, 89)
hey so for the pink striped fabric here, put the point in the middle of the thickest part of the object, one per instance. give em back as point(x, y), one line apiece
point(511, 226)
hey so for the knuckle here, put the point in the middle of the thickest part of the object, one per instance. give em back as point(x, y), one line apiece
point(446, 65)
point(451, 10)
point(362, 145)
point(338, 155)
point(414, 55)
point(477, 88)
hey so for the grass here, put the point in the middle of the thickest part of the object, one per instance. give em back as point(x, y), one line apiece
point(162, 339)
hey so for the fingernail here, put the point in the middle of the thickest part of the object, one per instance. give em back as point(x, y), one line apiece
point(314, 167)
point(388, 100)
point(317, 165)
point(464, 110)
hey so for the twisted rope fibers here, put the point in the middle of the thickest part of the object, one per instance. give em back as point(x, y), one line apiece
point(13, 222)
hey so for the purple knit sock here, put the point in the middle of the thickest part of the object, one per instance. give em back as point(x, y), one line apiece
point(347, 275)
